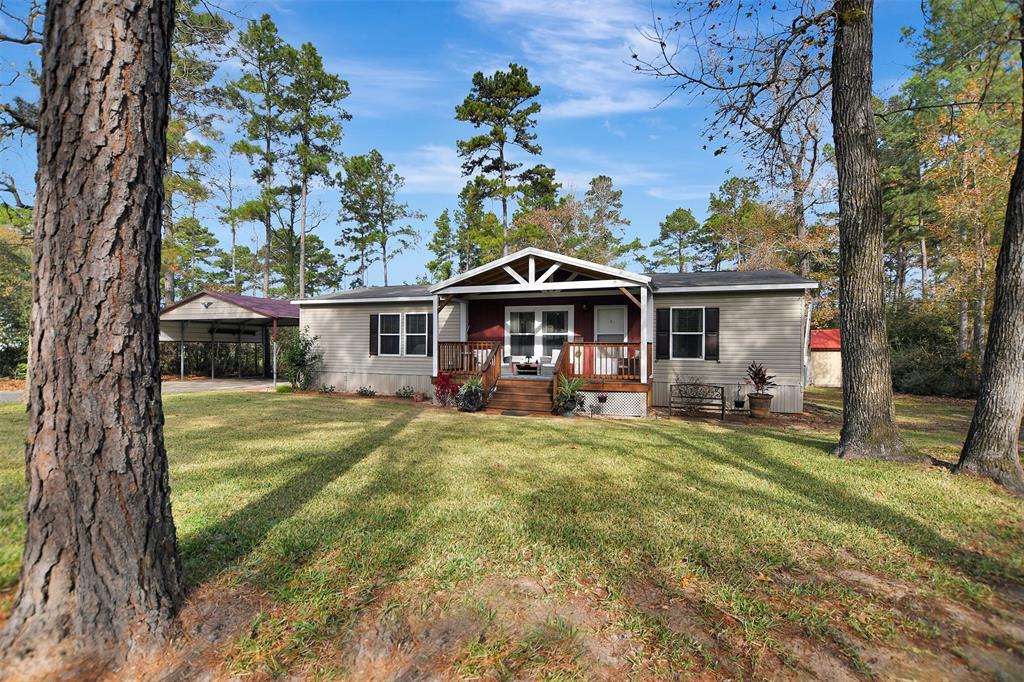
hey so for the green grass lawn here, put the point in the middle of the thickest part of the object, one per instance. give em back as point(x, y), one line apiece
point(369, 537)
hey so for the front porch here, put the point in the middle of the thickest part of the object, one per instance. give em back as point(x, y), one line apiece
point(536, 316)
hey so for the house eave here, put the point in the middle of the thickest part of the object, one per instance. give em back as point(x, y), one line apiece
point(376, 299)
point(634, 278)
point(794, 286)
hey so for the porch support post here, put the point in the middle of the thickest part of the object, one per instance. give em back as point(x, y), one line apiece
point(643, 334)
point(433, 358)
point(238, 351)
point(181, 353)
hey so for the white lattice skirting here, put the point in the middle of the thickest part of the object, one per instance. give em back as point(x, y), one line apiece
point(621, 404)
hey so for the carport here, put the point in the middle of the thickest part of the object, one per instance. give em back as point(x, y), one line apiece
point(217, 318)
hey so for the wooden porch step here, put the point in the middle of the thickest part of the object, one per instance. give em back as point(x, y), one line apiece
point(516, 403)
point(543, 389)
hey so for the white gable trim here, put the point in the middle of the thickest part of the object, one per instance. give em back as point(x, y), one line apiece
point(500, 263)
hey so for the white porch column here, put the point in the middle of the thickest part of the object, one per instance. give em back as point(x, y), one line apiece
point(433, 364)
point(643, 334)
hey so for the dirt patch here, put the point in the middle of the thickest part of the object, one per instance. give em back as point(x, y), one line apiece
point(12, 385)
point(210, 623)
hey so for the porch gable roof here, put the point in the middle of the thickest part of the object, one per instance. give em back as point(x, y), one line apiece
point(541, 267)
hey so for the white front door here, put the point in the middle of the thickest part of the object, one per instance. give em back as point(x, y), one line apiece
point(610, 323)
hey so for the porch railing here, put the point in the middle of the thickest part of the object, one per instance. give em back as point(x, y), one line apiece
point(467, 359)
point(600, 361)
point(464, 357)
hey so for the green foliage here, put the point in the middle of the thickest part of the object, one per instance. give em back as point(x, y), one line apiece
point(21, 371)
point(445, 247)
point(567, 396)
point(405, 392)
point(366, 391)
point(679, 235)
point(376, 226)
point(503, 107)
point(302, 358)
point(15, 286)
point(471, 395)
point(925, 359)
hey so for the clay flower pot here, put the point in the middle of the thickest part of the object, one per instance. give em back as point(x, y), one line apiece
point(760, 405)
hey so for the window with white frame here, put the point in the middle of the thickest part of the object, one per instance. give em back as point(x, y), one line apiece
point(416, 333)
point(554, 330)
point(390, 334)
point(522, 332)
point(687, 330)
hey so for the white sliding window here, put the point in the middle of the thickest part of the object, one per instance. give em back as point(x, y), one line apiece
point(416, 333)
point(390, 334)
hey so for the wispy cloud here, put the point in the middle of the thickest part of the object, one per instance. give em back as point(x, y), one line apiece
point(579, 48)
point(379, 89)
point(430, 169)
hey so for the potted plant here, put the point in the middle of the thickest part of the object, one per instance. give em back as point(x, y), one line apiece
point(760, 400)
point(568, 397)
point(471, 395)
point(738, 400)
point(602, 398)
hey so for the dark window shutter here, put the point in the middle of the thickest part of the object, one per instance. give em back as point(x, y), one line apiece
point(374, 335)
point(430, 335)
point(661, 335)
point(711, 334)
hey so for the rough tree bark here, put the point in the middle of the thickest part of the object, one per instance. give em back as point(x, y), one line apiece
point(100, 574)
point(991, 448)
point(869, 426)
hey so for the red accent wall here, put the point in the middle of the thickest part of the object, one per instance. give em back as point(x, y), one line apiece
point(487, 316)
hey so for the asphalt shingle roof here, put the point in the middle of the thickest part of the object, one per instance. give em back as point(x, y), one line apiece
point(395, 291)
point(724, 278)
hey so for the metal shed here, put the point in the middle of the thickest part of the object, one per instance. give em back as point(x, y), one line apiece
point(216, 317)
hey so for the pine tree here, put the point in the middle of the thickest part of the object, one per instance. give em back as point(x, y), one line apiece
point(504, 106)
point(377, 228)
point(314, 98)
point(259, 95)
point(678, 237)
point(445, 247)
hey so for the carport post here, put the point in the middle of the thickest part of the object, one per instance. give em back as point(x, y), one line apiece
point(181, 351)
point(238, 351)
point(274, 354)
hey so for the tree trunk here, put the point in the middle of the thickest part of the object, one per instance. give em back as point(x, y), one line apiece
point(100, 575)
point(302, 241)
point(924, 264)
point(801, 228)
point(504, 207)
point(869, 427)
point(384, 261)
point(991, 448)
point(168, 216)
point(901, 275)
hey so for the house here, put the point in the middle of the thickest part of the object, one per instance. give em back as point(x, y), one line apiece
point(522, 320)
point(826, 358)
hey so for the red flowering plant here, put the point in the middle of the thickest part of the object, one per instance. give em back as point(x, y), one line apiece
point(445, 389)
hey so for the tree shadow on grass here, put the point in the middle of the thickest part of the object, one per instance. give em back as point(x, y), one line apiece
point(220, 545)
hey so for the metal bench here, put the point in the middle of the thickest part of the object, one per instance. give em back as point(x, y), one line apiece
point(686, 397)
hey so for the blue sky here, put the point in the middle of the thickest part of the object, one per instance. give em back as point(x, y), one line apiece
point(410, 63)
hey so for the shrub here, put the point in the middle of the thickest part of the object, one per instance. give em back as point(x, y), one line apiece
point(445, 389)
point(21, 371)
point(326, 390)
point(568, 396)
point(925, 358)
point(302, 359)
point(285, 388)
point(471, 395)
point(366, 391)
point(406, 392)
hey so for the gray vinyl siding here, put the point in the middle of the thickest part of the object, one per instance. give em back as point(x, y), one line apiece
point(344, 333)
point(767, 327)
point(209, 308)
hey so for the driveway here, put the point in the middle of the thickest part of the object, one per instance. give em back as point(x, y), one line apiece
point(178, 387)
point(201, 385)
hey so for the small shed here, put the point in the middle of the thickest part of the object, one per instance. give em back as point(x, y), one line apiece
point(215, 317)
point(826, 358)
